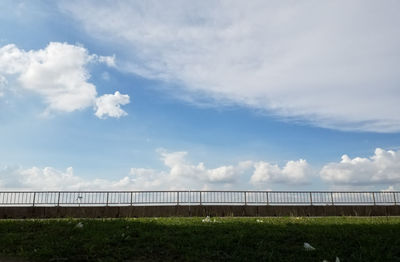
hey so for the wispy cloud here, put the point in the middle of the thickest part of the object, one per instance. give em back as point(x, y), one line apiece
point(331, 64)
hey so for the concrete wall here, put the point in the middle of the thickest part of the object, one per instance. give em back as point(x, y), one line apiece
point(201, 211)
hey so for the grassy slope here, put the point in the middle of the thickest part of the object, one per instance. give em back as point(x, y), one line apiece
point(188, 239)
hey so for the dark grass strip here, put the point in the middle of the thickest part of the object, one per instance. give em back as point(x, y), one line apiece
point(189, 239)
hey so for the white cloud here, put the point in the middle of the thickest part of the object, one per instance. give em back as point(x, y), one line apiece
point(108, 60)
point(294, 172)
point(183, 175)
point(150, 179)
point(57, 73)
point(48, 178)
point(3, 84)
point(178, 174)
point(110, 105)
point(333, 64)
point(378, 172)
point(13, 60)
point(381, 168)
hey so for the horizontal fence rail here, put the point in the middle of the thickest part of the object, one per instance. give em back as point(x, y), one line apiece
point(131, 198)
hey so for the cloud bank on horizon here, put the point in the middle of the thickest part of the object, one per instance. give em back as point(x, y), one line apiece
point(382, 169)
point(332, 65)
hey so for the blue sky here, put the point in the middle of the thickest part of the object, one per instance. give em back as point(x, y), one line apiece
point(261, 94)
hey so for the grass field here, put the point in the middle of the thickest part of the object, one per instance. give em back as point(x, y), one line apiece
point(190, 239)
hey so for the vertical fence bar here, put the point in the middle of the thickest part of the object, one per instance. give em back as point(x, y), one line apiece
point(200, 199)
point(267, 199)
point(394, 198)
point(131, 198)
point(177, 198)
point(310, 198)
point(107, 199)
point(373, 196)
point(58, 199)
point(34, 197)
point(245, 198)
point(332, 199)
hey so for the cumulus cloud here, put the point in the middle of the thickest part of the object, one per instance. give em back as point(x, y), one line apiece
point(332, 64)
point(181, 174)
point(294, 172)
point(381, 168)
point(178, 174)
point(380, 171)
point(57, 73)
point(13, 60)
point(110, 105)
point(48, 178)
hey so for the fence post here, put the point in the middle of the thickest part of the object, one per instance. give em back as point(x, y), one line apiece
point(245, 198)
point(34, 197)
point(332, 199)
point(200, 199)
point(131, 198)
point(267, 199)
point(190, 203)
point(310, 198)
point(58, 199)
point(177, 198)
point(394, 197)
point(107, 199)
point(373, 197)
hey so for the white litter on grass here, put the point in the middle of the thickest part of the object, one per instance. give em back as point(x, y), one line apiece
point(206, 220)
point(308, 247)
point(79, 225)
point(259, 221)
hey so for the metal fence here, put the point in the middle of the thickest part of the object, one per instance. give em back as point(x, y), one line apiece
point(131, 198)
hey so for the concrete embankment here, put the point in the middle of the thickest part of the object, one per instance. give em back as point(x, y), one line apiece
point(186, 211)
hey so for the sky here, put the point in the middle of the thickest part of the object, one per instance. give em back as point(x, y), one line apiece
point(199, 95)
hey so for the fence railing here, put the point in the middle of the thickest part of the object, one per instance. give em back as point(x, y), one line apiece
point(131, 198)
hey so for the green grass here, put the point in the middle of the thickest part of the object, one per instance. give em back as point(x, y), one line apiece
point(189, 239)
